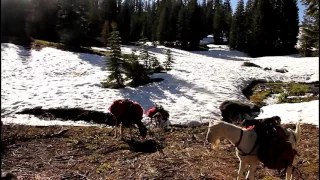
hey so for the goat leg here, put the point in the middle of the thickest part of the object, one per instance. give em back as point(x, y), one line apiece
point(121, 130)
point(289, 173)
point(250, 175)
point(109, 133)
point(241, 170)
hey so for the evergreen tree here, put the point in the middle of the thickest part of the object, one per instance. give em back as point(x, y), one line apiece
point(209, 18)
point(135, 27)
point(109, 10)
point(307, 41)
point(42, 19)
point(183, 28)
point(135, 71)
point(238, 29)
point(124, 20)
point(262, 29)
point(249, 11)
point(194, 17)
point(310, 31)
point(154, 21)
point(144, 54)
point(94, 25)
point(147, 22)
point(169, 60)
point(163, 30)
point(105, 32)
point(155, 64)
point(115, 63)
point(173, 20)
point(218, 21)
point(13, 17)
point(290, 26)
point(72, 22)
point(227, 18)
point(203, 9)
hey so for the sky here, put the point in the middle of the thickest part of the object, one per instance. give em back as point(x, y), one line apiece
point(301, 7)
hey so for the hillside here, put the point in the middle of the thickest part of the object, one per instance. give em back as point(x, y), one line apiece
point(199, 82)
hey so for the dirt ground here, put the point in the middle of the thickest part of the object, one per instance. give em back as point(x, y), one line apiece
point(57, 152)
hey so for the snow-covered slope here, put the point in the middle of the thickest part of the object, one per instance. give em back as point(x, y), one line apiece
point(199, 82)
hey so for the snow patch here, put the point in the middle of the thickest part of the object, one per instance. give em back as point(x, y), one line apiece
point(198, 83)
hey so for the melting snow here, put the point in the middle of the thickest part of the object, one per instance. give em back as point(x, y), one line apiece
point(199, 82)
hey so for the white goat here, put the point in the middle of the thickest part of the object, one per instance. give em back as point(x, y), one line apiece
point(245, 142)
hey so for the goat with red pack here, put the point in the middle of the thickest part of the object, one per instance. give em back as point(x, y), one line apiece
point(127, 114)
point(159, 114)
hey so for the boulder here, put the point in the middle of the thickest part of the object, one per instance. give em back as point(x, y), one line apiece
point(236, 111)
point(250, 64)
point(281, 70)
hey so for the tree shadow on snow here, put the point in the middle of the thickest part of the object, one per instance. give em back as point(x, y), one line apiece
point(171, 86)
point(93, 59)
point(213, 53)
point(222, 54)
point(24, 54)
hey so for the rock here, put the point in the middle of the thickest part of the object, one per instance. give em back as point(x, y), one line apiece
point(282, 70)
point(235, 111)
point(267, 68)
point(315, 89)
point(9, 176)
point(249, 64)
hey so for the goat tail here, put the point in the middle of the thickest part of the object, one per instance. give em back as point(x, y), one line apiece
point(298, 131)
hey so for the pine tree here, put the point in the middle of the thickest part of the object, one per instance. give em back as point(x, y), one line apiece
point(109, 10)
point(155, 64)
point(173, 20)
point(203, 10)
point(238, 29)
point(307, 41)
point(262, 29)
point(290, 26)
point(13, 17)
point(72, 22)
point(163, 30)
point(209, 18)
point(144, 54)
point(154, 21)
point(115, 63)
point(135, 27)
point(182, 28)
point(227, 18)
point(42, 19)
point(169, 60)
point(249, 11)
point(310, 32)
point(194, 17)
point(105, 32)
point(135, 71)
point(124, 20)
point(218, 21)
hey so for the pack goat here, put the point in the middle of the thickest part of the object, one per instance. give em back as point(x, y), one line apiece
point(246, 144)
point(127, 113)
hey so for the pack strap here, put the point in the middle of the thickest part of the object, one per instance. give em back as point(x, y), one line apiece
point(237, 144)
point(243, 153)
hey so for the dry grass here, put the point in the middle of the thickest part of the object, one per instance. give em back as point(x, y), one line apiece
point(87, 152)
point(39, 44)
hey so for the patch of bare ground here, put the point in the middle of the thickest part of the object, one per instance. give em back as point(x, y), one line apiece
point(89, 153)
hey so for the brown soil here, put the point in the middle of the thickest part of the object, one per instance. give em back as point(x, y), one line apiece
point(177, 153)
